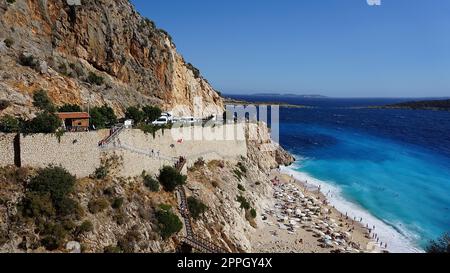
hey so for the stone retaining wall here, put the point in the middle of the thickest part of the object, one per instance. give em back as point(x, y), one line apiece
point(172, 144)
point(80, 155)
point(77, 152)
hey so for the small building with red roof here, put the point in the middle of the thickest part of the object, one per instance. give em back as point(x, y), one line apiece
point(75, 121)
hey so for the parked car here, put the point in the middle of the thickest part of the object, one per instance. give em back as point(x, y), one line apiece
point(168, 115)
point(161, 121)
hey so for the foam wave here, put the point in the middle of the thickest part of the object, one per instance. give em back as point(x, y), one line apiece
point(399, 239)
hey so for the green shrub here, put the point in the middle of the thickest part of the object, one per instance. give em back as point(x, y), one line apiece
point(47, 201)
point(244, 203)
point(168, 223)
point(253, 213)
point(68, 207)
point(151, 113)
point(97, 205)
point(240, 187)
point(85, 227)
point(46, 123)
point(194, 70)
point(127, 242)
point(9, 124)
point(36, 205)
point(54, 236)
point(165, 207)
point(135, 114)
point(42, 101)
point(117, 203)
point(112, 249)
point(55, 181)
point(150, 129)
point(95, 79)
point(28, 60)
point(101, 172)
point(68, 108)
point(170, 178)
point(242, 168)
point(68, 225)
point(196, 207)
point(103, 117)
point(199, 163)
point(151, 183)
point(120, 218)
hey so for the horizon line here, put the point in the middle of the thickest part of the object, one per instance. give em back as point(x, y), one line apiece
point(318, 96)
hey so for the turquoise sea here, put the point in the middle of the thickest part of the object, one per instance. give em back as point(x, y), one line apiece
point(390, 167)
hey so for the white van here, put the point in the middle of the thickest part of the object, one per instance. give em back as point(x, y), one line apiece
point(161, 121)
point(168, 115)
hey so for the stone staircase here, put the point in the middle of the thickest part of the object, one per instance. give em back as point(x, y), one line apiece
point(196, 242)
point(107, 140)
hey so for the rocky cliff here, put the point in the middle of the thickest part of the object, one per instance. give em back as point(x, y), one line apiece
point(224, 186)
point(98, 52)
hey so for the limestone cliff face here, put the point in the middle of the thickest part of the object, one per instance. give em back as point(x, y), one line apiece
point(138, 62)
point(263, 151)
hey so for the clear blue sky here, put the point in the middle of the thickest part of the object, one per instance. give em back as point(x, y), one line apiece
point(340, 48)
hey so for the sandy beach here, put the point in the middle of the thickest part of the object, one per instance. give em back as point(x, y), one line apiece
point(300, 220)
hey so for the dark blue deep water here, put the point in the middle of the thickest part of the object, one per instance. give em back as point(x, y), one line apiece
point(391, 164)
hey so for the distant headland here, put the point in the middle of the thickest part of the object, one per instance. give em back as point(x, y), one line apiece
point(312, 96)
point(437, 105)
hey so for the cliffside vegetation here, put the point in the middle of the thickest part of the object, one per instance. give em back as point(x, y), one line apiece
point(46, 121)
point(50, 208)
point(170, 178)
point(196, 207)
